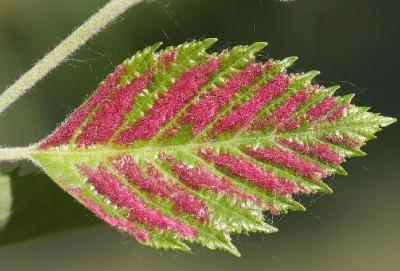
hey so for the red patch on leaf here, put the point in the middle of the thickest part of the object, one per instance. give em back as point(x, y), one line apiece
point(338, 113)
point(324, 153)
point(287, 159)
point(273, 211)
point(156, 185)
point(319, 151)
point(112, 221)
point(172, 131)
point(109, 185)
point(244, 114)
point(204, 111)
point(199, 178)
point(244, 168)
point(343, 140)
point(284, 111)
point(111, 116)
point(320, 109)
point(168, 57)
point(165, 108)
point(64, 133)
point(290, 124)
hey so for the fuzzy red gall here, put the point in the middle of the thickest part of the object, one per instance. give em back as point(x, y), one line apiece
point(168, 57)
point(156, 185)
point(319, 151)
point(202, 112)
point(320, 109)
point(165, 108)
point(64, 133)
point(245, 113)
point(343, 140)
point(110, 117)
point(199, 178)
point(120, 224)
point(284, 158)
point(285, 110)
point(109, 185)
point(244, 168)
point(338, 113)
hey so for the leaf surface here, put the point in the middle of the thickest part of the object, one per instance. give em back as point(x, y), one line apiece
point(183, 146)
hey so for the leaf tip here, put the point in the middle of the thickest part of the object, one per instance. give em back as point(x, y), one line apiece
point(386, 121)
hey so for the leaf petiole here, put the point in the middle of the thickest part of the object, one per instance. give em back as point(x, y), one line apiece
point(15, 153)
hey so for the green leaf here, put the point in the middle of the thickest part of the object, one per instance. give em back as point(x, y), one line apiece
point(182, 146)
point(5, 200)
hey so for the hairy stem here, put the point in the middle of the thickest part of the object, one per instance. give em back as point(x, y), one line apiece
point(79, 37)
point(15, 154)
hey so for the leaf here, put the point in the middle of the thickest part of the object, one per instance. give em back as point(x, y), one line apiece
point(5, 200)
point(32, 205)
point(183, 146)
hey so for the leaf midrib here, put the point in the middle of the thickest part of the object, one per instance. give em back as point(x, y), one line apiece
point(109, 149)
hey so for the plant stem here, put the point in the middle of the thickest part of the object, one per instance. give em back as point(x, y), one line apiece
point(79, 37)
point(15, 154)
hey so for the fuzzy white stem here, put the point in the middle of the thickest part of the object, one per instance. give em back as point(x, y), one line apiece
point(79, 37)
point(15, 154)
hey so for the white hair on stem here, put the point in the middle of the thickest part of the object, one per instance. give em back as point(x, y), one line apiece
point(79, 37)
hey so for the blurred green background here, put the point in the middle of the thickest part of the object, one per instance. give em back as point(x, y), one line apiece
point(354, 43)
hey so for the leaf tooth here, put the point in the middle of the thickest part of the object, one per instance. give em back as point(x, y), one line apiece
point(138, 63)
point(341, 171)
point(346, 99)
point(386, 121)
point(305, 77)
point(148, 50)
point(264, 228)
point(257, 46)
point(222, 241)
point(156, 45)
point(288, 61)
point(162, 240)
point(206, 43)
